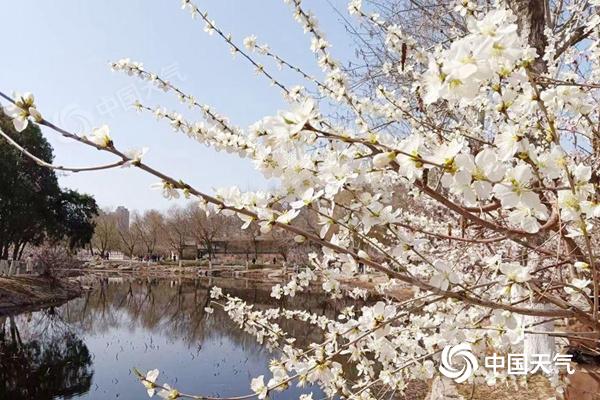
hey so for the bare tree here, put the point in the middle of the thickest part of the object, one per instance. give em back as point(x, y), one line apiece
point(130, 238)
point(176, 228)
point(251, 234)
point(106, 235)
point(149, 229)
point(206, 229)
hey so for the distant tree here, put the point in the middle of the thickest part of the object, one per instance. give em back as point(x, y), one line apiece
point(251, 234)
point(106, 235)
point(77, 212)
point(176, 229)
point(206, 229)
point(130, 238)
point(149, 227)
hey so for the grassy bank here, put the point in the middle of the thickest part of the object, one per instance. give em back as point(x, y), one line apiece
point(24, 293)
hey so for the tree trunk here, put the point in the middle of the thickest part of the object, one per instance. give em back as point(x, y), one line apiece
point(541, 344)
point(15, 252)
point(531, 22)
point(2, 329)
point(22, 249)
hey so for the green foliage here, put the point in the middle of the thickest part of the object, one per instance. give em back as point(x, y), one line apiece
point(33, 208)
point(77, 212)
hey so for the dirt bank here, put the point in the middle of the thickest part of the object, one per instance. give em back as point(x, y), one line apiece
point(19, 294)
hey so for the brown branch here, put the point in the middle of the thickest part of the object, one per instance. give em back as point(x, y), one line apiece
point(458, 295)
point(45, 164)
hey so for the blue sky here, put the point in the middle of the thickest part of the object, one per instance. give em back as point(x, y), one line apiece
point(60, 51)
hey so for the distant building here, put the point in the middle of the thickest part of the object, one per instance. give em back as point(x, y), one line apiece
point(122, 215)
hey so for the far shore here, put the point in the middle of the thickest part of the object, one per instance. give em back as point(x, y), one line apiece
point(268, 274)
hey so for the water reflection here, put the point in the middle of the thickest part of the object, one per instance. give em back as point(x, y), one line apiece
point(47, 363)
point(86, 348)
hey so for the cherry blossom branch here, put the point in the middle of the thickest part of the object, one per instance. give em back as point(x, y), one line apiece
point(178, 184)
point(43, 163)
point(211, 26)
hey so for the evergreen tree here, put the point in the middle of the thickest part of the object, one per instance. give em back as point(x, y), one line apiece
point(33, 208)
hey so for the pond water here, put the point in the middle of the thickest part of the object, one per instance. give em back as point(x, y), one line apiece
point(86, 348)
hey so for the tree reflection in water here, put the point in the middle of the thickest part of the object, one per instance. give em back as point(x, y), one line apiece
point(46, 362)
point(175, 307)
point(145, 323)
